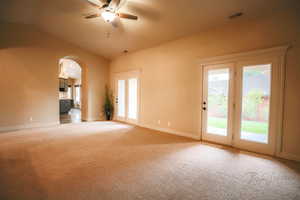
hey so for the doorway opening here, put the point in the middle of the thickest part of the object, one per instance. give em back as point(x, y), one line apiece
point(70, 92)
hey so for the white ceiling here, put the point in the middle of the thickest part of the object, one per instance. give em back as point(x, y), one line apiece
point(159, 20)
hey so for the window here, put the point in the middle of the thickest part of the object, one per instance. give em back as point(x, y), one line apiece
point(69, 92)
point(77, 94)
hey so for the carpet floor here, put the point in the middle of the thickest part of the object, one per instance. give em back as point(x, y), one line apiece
point(109, 160)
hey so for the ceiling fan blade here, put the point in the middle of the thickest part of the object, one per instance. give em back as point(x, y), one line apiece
point(92, 16)
point(113, 5)
point(121, 4)
point(103, 1)
point(93, 3)
point(127, 16)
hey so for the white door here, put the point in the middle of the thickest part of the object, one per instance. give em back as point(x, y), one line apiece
point(127, 97)
point(217, 103)
point(120, 99)
point(239, 104)
point(257, 103)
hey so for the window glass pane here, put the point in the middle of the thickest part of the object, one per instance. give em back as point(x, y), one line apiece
point(121, 98)
point(69, 92)
point(256, 103)
point(132, 98)
point(77, 95)
point(217, 105)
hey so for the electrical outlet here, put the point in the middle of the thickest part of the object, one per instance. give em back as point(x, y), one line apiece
point(158, 121)
point(169, 124)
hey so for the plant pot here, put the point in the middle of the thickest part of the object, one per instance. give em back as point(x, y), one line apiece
point(108, 116)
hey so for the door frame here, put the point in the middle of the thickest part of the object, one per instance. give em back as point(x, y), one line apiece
point(125, 76)
point(276, 53)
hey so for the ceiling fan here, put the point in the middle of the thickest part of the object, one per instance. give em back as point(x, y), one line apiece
point(110, 10)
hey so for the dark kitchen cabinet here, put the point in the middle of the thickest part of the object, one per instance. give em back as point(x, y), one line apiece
point(63, 85)
point(65, 105)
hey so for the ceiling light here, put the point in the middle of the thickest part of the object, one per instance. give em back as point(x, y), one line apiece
point(108, 16)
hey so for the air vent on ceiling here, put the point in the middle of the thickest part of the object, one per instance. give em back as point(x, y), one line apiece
point(235, 15)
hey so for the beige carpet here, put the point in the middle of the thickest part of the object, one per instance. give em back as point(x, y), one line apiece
point(107, 160)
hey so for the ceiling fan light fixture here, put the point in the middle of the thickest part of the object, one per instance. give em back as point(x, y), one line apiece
point(108, 16)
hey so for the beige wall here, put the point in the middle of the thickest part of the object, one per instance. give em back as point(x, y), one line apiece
point(29, 77)
point(170, 80)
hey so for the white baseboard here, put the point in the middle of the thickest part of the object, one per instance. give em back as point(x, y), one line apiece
point(26, 126)
point(3, 129)
point(91, 120)
point(171, 131)
point(283, 155)
point(288, 156)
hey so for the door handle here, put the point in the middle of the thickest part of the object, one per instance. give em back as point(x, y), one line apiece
point(204, 104)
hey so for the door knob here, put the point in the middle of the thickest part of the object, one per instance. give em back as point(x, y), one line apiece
point(204, 108)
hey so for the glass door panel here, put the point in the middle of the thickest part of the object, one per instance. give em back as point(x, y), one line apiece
point(216, 103)
point(256, 105)
point(132, 98)
point(121, 106)
point(256, 95)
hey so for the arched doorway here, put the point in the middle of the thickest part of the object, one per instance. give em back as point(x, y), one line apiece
point(70, 91)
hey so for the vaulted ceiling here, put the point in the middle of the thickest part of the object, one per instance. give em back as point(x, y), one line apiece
point(159, 20)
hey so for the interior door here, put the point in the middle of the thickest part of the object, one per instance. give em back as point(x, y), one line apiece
point(217, 103)
point(127, 92)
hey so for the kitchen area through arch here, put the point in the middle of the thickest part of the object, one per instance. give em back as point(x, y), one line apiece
point(69, 91)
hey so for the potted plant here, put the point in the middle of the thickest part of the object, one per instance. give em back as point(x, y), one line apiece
point(108, 107)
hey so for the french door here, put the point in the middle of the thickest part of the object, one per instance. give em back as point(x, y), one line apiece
point(218, 103)
point(127, 97)
point(239, 104)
